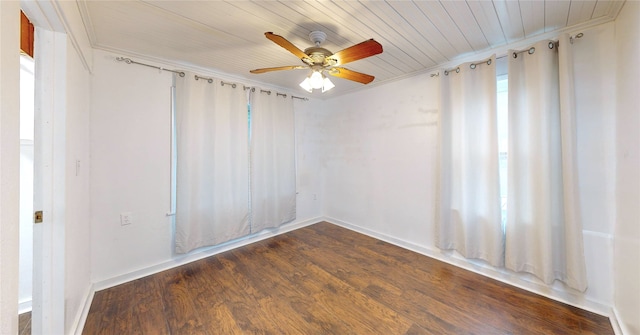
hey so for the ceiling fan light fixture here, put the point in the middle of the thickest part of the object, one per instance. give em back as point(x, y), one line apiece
point(316, 80)
point(306, 85)
point(327, 85)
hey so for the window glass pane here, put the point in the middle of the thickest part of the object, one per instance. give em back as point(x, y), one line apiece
point(503, 142)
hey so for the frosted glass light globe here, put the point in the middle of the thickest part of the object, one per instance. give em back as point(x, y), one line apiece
point(316, 80)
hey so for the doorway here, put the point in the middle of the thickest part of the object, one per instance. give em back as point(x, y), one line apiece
point(26, 183)
point(27, 152)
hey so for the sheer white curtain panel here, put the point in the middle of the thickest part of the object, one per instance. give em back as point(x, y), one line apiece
point(273, 169)
point(212, 182)
point(543, 229)
point(468, 203)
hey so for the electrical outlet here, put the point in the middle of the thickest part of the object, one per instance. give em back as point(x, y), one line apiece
point(315, 197)
point(126, 219)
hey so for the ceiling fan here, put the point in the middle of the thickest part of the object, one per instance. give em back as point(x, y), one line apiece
point(321, 60)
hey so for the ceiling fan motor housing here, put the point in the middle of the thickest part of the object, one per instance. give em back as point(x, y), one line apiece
point(318, 55)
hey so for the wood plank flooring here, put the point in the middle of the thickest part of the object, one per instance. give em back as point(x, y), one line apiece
point(324, 279)
point(24, 323)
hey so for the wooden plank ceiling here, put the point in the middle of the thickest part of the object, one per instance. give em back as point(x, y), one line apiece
point(228, 36)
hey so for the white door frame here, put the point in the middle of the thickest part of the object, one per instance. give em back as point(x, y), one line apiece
point(48, 312)
point(48, 307)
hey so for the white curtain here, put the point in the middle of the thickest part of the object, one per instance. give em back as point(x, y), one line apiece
point(212, 186)
point(273, 170)
point(468, 205)
point(543, 229)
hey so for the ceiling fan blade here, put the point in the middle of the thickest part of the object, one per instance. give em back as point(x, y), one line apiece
point(283, 42)
point(269, 69)
point(359, 51)
point(341, 72)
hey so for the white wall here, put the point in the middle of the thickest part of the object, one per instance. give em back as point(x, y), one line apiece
point(130, 171)
point(627, 230)
point(380, 159)
point(77, 172)
point(9, 164)
point(130, 167)
point(595, 87)
point(309, 140)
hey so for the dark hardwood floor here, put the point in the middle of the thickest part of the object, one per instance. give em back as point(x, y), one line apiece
point(24, 324)
point(324, 279)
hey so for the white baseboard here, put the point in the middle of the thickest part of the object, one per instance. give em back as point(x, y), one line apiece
point(618, 326)
point(202, 253)
point(505, 276)
point(81, 316)
point(24, 306)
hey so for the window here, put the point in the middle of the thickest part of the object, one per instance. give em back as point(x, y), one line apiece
point(503, 141)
